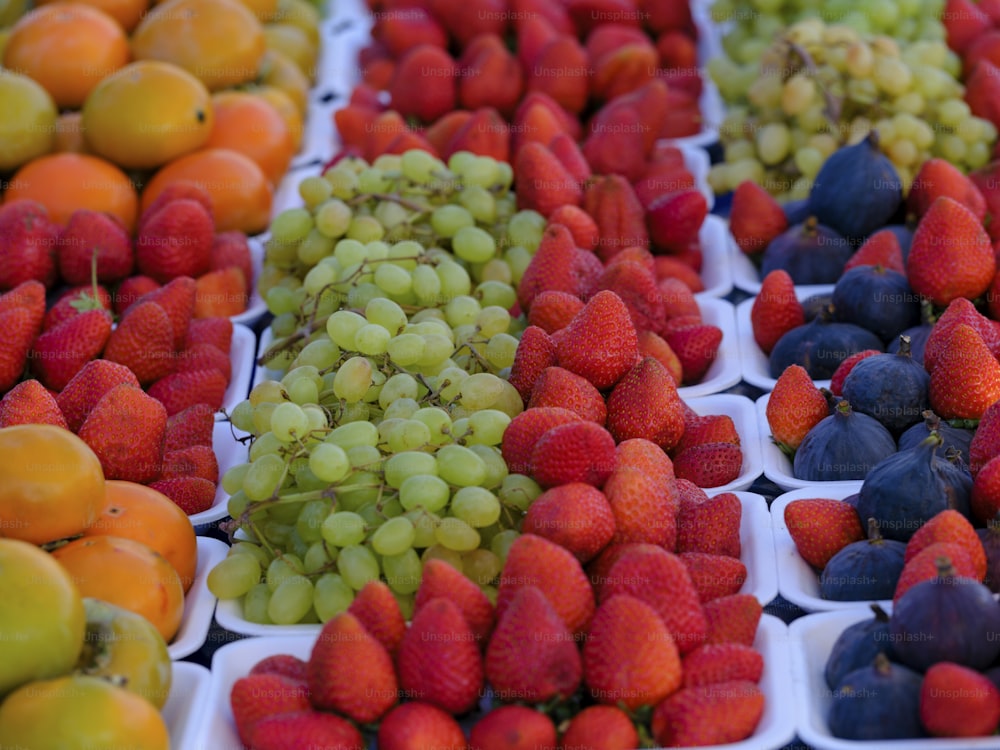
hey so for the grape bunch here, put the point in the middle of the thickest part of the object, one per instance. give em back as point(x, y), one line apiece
point(376, 446)
point(818, 87)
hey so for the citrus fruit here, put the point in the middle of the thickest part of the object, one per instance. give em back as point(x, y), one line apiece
point(300, 13)
point(147, 114)
point(41, 616)
point(218, 41)
point(53, 485)
point(68, 48)
point(126, 12)
point(288, 109)
point(27, 120)
point(295, 44)
point(127, 573)
point(241, 193)
point(77, 712)
point(277, 70)
point(251, 125)
point(66, 182)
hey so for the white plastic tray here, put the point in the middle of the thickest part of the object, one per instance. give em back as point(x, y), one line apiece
point(797, 582)
point(757, 547)
point(185, 707)
point(255, 306)
point(229, 452)
point(241, 354)
point(199, 604)
point(716, 273)
point(741, 409)
point(725, 371)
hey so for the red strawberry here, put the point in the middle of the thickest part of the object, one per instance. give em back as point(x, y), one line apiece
point(696, 347)
point(441, 580)
point(880, 249)
point(845, 367)
point(573, 452)
point(258, 696)
point(143, 342)
point(28, 240)
point(951, 255)
point(958, 311)
point(635, 284)
point(675, 219)
point(175, 191)
point(221, 293)
point(601, 728)
point(285, 665)
point(755, 218)
point(821, 527)
point(177, 298)
point(576, 516)
point(600, 343)
point(642, 494)
point(82, 393)
point(580, 224)
point(378, 611)
point(203, 357)
point(678, 298)
point(561, 70)
point(556, 265)
point(710, 428)
point(794, 407)
point(524, 431)
point(733, 619)
point(613, 146)
point(569, 154)
point(291, 731)
point(75, 301)
point(231, 249)
point(652, 345)
point(126, 429)
point(711, 526)
point(986, 439)
point(17, 333)
point(776, 309)
point(131, 290)
point(29, 295)
point(196, 461)
point(535, 561)
point(542, 183)
point(190, 494)
point(180, 390)
point(963, 23)
point(513, 728)
point(966, 379)
point(612, 203)
point(89, 233)
point(715, 714)
point(986, 491)
point(531, 656)
point(552, 310)
point(714, 575)
point(350, 672)
point(438, 659)
point(709, 464)
point(29, 403)
point(949, 526)
point(645, 404)
point(556, 387)
point(956, 701)
point(215, 331)
point(175, 241)
point(923, 566)
point(937, 177)
point(192, 426)
point(415, 725)
point(623, 670)
point(720, 662)
point(61, 352)
point(535, 352)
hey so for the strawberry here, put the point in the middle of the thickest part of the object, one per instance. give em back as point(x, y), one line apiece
point(623, 670)
point(821, 527)
point(17, 333)
point(601, 728)
point(689, 492)
point(531, 656)
point(714, 576)
point(535, 352)
point(291, 731)
point(696, 347)
point(82, 393)
point(30, 403)
point(570, 155)
point(215, 331)
point(438, 659)
point(378, 611)
point(652, 345)
point(675, 219)
point(966, 379)
point(556, 387)
point(203, 357)
point(645, 404)
point(613, 145)
point(525, 429)
point(711, 526)
point(958, 311)
point(28, 240)
point(192, 426)
point(440, 579)
point(951, 255)
point(710, 428)
point(709, 464)
point(195, 461)
point(221, 293)
point(600, 343)
point(74, 301)
point(642, 494)
point(131, 290)
point(175, 191)
point(949, 526)
point(794, 407)
point(576, 516)
point(956, 701)
point(350, 672)
point(190, 494)
point(716, 714)
point(94, 233)
point(513, 728)
point(720, 662)
point(126, 429)
point(143, 342)
point(612, 203)
point(733, 619)
point(552, 310)
point(541, 182)
point(177, 298)
point(561, 70)
point(963, 23)
point(986, 439)
point(580, 224)
point(636, 285)
point(258, 696)
point(755, 218)
point(28, 295)
point(937, 177)
point(880, 249)
point(175, 241)
point(923, 566)
point(986, 491)
point(573, 452)
point(180, 390)
point(552, 267)
point(845, 367)
point(415, 725)
point(286, 665)
point(776, 309)
point(635, 254)
point(535, 561)
point(660, 579)
point(230, 249)
point(61, 352)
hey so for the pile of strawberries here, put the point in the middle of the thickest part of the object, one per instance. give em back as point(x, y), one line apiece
point(973, 32)
point(556, 660)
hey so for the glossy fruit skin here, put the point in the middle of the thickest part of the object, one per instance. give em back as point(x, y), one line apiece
point(857, 646)
point(844, 446)
point(811, 254)
point(121, 644)
point(955, 438)
point(890, 387)
point(918, 341)
point(877, 703)
point(29, 120)
point(862, 571)
point(878, 299)
point(41, 616)
point(77, 712)
point(820, 346)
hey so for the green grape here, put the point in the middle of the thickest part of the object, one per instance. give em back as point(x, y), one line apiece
point(501, 350)
point(393, 279)
point(386, 313)
point(462, 310)
point(473, 244)
point(371, 339)
point(393, 537)
point(482, 566)
point(424, 523)
point(263, 477)
point(455, 534)
point(426, 285)
point(233, 576)
point(446, 220)
point(487, 427)
point(405, 349)
point(493, 320)
point(255, 605)
point(356, 412)
point(282, 568)
point(290, 601)
point(363, 293)
point(331, 596)
point(316, 558)
point(410, 435)
point(501, 543)
point(365, 229)
point(480, 390)
point(310, 519)
point(480, 170)
point(403, 572)
point(460, 160)
point(359, 488)
point(232, 479)
point(518, 491)
point(419, 166)
point(518, 258)
point(314, 248)
point(353, 379)
point(454, 279)
point(376, 251)
point(405, 464)
point(277, 534)
point(349, 253)
point(289, 422)
point(479, 202)
point(428, 492)
point(400, 408)
point(400, 385)
point(261, 555)
point(314, 190)
point(495, 271)
point(476, 506)
point(280, 300)
point(343, 182)
point(773, 143)
point(237, 504)
point(438, 422)
point(438, 551)
point(306, 481)
point(405, 253)
point(357, 566)
point(496, 467)
point(343, 528)
point(329, 462)
point(460, 466)
point(342, 326)
point(241, 416)
point(321, 276)
point(449, 382)
point(261, 427)
point(437, 349)
point(390, 214)
point(361, 456)
point(892, 75)
point(353, 434)
point(371, 180)
point(291, 226)
point(322, 354)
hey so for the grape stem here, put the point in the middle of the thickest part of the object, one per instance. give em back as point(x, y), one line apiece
point(833, 105)
point(395, 197)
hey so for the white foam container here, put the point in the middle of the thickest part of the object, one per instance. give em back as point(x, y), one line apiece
point(241, 353)
point(228, 452)
point(199, 603)
point(741, 410)
point(184, 711)
point(725, 370)
point(716, 273)
point(255, 305)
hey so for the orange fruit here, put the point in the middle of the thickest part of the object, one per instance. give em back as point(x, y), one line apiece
point(277, 70)
point(127, 573)
point(53, 484)
point(220, 42)
point(69, 133)
point(68, 48)
point(146, 114)
point(287, 108)
point(65, 182)
point(138, 512)
point(126, 12)
point(240, 191)
point(251, 125)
